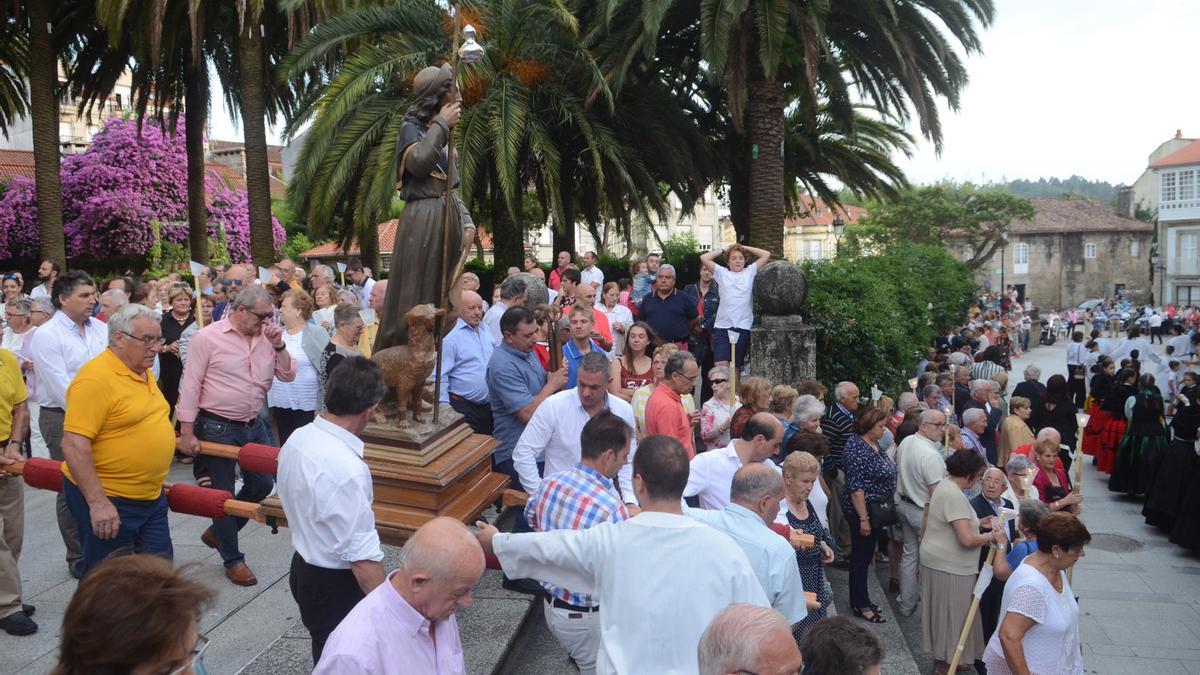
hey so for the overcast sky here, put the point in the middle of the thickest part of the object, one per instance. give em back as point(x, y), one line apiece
point(1063, 87)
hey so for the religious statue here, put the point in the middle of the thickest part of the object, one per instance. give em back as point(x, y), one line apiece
point(431, 245)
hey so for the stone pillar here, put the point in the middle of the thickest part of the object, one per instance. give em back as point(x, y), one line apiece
point(782, 348)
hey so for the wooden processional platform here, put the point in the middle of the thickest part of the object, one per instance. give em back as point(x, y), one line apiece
point(423, 474)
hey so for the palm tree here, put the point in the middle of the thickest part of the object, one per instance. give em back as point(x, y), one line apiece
point(768, 55)
point(14, 70)
point(43, 113)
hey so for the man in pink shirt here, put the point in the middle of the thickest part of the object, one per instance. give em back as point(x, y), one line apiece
point(407, 624)
point(230, 366)
point(665, 415)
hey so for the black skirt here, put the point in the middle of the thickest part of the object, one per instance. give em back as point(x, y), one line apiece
point(1168, 484)
point(1186, 531)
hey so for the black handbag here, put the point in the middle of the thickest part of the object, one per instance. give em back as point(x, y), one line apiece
point(882, 513)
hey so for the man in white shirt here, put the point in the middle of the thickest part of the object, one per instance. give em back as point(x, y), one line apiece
point(590, 274)
point(358, 276)
point(754, 499)
point(59, 348)
point(660, 576)
point(466, 351)
point(553, 431)
point(48, 273)
point(1181, 340)
point(920, 467)
point(512, 294)
point(736, 310)
point(326, 491)
point(712, 472)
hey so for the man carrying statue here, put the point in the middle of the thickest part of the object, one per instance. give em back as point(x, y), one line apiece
point(426, 258)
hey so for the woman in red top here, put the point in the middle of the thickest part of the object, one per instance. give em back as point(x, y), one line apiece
point(635, 367)
point(1053, 486)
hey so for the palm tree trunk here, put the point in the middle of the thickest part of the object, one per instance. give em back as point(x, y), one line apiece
point(43, 111)
point(258, 180)
point(195, 111)
point(764, 114)
point(564, 233)
point(508, 247)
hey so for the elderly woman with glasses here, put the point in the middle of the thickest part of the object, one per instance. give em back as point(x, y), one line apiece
point(800, 480)
point(1020, 472)
point(717, 412)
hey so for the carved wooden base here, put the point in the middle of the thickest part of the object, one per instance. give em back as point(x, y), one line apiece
point(458, 482)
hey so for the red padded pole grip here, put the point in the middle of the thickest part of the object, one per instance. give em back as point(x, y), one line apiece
point(259, 457)
point(45, 474)
point(194, 500)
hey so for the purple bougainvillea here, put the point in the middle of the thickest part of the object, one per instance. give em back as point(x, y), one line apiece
point(114, 190)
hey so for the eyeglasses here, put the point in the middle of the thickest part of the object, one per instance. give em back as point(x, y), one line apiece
point(197, 659)
point(261, 317)
point(693, 378)
point(719, 381)
point(147, 340)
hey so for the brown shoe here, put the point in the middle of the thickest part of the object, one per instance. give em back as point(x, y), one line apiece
point(209, 539)
point(240, 574)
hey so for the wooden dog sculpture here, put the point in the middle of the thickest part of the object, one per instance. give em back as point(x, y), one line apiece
point(406, 367)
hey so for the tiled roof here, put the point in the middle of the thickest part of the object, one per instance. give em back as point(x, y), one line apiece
point(819, 214)
point(1076, 214)
point(1188, 154)
point(16, 163)
point(387, 241)
point(232, 178)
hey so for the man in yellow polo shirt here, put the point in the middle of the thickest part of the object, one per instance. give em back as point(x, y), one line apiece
point(118, 442)
point(14, 420)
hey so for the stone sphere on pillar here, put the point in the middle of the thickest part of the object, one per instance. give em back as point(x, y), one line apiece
point(780, 288)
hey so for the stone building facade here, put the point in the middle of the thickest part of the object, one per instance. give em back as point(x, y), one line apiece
point(1073, 250)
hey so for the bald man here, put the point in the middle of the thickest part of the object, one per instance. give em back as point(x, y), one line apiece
point(712, 472)
point(366, 342)
point(466, 351)
point(407, 624)
point(745, 638)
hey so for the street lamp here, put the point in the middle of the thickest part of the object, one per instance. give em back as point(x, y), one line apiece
point(839, 228)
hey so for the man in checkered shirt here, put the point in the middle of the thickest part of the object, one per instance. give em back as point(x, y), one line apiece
point(576, 499)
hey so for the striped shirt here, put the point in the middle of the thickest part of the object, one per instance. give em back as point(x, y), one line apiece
point(575, 499)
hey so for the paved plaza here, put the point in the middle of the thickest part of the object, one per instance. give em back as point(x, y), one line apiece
point(1139, 597)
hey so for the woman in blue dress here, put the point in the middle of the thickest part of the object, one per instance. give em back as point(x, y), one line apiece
point(800, 471)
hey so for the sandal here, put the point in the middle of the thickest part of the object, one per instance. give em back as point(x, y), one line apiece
point(874, 618)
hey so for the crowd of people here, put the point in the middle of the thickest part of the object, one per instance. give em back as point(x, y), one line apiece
point(629, 480)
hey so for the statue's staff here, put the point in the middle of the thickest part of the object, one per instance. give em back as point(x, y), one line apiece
point(471, 52)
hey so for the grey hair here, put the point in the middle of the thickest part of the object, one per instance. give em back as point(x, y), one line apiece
point(512, 288)
point(980, 385)
point(325, 270)
point(344, 313)
point(667, 266)
point(1032, 511)
point(122, 320)
point(21, 307)
point(249, 297)
point(1032, 372)
point(930, 390)
point(43, 304)
point(676, 362)
point(719, 371)
point(1017, 464)
point(842, 390)
point(932, 415)
point(958, 358)
point(735, 637)
point(594, 362)
point(806, 409)
point(470, 275)
point(906, 401)
point(755, 484)
point(116, 294)
point(973, 415)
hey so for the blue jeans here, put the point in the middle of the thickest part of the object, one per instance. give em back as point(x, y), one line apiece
point(143, 528)
point(223, 472)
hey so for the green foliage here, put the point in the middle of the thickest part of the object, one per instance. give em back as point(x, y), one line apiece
point(876, 313)
point(1057, 187)
point(296, 244)
point(287, 217)
point(937, 214)
point(683, 251)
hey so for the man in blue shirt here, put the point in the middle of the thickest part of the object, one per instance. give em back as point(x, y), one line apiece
point(672, 315)
point(517, 384)
point(466, 352)
point(582, 321)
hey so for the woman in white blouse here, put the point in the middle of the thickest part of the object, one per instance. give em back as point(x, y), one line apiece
point(295, 404)
point(1039, 628)
point(619, 316)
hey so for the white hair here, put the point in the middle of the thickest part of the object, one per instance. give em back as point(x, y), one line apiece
point(325, 271)
point(979, 385)
point(907, 400)
point(117, 295)
point(973, 415)
point(122, 320)
point(842, 390)
point(735, 638)
point(806, 409)
point(1032, 372)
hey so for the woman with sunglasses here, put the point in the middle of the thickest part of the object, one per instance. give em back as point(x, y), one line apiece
point(135, 614)
point(717, 412)
point(11, 289)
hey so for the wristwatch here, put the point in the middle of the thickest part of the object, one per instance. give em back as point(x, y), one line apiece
point(280, 348)
point(19, 443)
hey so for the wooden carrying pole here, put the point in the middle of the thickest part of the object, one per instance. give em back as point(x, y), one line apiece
point(966, 629)
point(443, 284)
point(1077, 488)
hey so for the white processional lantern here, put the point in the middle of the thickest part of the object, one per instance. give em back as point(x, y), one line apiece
point(733, 369)
point(470, 51)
